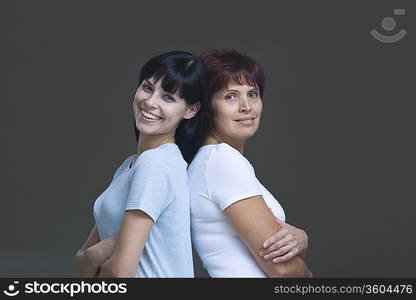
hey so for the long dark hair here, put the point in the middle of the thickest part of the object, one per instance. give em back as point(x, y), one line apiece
point(181, 71)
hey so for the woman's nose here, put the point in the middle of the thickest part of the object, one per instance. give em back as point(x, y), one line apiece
point(152, 101)
point(245, 105)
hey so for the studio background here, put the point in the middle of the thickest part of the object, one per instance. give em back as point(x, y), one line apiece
point(336, 142)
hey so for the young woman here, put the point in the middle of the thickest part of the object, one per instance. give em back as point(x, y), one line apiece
point(142, 219)
point(232, 213)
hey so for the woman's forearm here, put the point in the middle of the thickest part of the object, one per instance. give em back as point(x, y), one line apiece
point(84, 258)
point(296, 267)
point(133, 235)
point(85, 265)
point(253, 221)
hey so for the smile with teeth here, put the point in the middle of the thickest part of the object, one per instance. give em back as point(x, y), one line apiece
point(148, 115)
point(246, 121)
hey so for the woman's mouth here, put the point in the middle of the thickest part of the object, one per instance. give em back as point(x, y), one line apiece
point(147, 116)
point(246, 121)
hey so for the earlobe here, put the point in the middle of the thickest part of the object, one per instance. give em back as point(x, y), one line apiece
point(192, 110)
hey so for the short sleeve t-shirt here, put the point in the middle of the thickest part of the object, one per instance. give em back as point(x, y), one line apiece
point(218, 176)
point(157, 185)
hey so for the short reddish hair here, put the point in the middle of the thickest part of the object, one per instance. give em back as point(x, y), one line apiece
point(225, 65)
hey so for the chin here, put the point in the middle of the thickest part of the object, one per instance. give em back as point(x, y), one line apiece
point(246, 137)
point(242, 137)
point(143, 130)
point(248, 133)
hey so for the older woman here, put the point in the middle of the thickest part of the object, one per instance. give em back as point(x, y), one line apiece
point(232, 214)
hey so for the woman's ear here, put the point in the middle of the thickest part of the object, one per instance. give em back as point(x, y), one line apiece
point(192, 110)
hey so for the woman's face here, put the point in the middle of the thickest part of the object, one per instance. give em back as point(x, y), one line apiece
point(236, 112)
point(158, 112)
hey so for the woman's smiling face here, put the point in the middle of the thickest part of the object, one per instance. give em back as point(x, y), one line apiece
point(236, 112)
point(156, 111)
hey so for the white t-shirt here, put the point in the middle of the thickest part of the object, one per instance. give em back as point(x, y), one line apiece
point(156, 184)
point(218, 176)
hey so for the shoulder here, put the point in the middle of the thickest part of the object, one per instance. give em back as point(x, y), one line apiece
point(227, 156)
point(226, 162)
point(127, 160)
point(229, 176)
point(164, 157)
point(123, 165)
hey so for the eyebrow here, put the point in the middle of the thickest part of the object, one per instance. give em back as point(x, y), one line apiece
point(148, 82)
point(175, 95)
point(254, 88)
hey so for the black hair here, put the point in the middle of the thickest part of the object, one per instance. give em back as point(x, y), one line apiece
point(183, 73)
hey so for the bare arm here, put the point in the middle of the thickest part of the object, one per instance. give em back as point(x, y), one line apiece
point(285, 244)
point(83, 259)
point(132, 238)
point(94, 253)
point(254, 223)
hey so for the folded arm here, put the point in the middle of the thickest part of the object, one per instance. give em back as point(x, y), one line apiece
point(285, 244)
point(94, 253)
point(130, 244)
point(254, 223)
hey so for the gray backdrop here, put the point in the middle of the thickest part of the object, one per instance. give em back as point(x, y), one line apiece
point(336, 143)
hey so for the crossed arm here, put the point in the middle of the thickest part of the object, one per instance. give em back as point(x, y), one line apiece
point(285, 244)
point(254, 223)
point(258, 225)
point(93, 254)
point(115, 256)
point(134, 232)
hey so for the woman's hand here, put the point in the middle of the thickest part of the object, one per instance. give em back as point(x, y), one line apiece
point(102, 251)
point(105, 270)
point(288, 242)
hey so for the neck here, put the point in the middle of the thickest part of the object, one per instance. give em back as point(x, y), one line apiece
point(214, 138)
point(147, 142)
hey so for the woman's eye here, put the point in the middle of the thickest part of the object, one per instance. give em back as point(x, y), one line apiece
point(168, 98)
point(146, 88)
point(230, 97)
point(253, 94)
